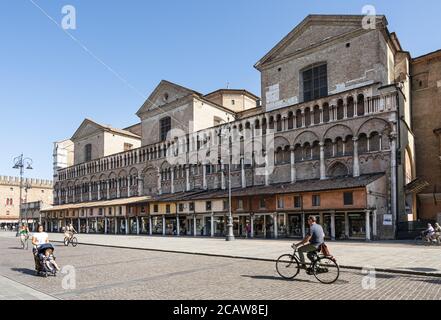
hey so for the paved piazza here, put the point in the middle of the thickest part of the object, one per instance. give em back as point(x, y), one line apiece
point(109, 273)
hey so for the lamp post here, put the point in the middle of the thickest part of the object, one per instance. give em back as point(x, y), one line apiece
point(22, 163)
point(230, 232)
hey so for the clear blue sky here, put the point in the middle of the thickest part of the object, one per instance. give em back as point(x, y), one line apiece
point(49, 84)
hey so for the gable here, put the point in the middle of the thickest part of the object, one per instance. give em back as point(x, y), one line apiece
point(87, 128)
point(314, 30)
point(165, 93)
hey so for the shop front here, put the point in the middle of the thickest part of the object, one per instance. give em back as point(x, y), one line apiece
point(264, 226)
point(157, 225)
point(220, 226)
point(295, 226)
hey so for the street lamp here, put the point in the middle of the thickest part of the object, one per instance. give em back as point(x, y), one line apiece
point(22, 163)
point(230, 233)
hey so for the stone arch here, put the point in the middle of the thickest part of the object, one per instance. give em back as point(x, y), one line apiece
point(280, 142)
point(337, 169)
point(336, 131)
point(375, 124)
point(306, 136)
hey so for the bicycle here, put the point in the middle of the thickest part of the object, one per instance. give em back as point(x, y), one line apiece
point(422, 239)
point(325, 269)
point(71, 240)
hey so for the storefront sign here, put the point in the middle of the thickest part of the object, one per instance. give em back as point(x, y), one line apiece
point(387, 220)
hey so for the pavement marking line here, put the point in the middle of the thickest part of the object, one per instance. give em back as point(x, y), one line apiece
point(382, 270)
point(22, 291)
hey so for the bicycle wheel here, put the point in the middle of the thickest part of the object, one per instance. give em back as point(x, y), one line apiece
point(287, 266)
point(66, 241)
point(326, 270)
point(74, 242)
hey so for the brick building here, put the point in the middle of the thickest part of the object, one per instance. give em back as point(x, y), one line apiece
point(332, 136)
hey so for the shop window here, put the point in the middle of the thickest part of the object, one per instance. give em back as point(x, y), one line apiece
point(348, 198)
point(155, 208)
point(357, 225)
point(297, 201)
point(316, 200)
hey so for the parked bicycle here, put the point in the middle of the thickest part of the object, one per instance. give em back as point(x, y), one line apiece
point(71, 240)
point(422, 239)
point(325, 269)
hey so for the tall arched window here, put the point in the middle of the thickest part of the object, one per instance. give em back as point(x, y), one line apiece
point(340, 110)
point(307, 117)
point(326, 113)
point(350, 107)
point(360, 105)
point(316, 115)
point(298, 118)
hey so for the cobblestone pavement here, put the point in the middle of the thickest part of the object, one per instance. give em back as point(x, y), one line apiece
point(383, 255)
point(109, 273)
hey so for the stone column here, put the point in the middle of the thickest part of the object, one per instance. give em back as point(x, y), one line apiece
point(178, 231)
point(79, 224)
point(204, 176)
point(355, 108)
point(87, 225)
point(163, 225)
point(252, 226)
point(393, 148)
point(322, 161)
point(126, 224)
point(172, 183)
point(90, 191)
point(150, 226)
point(276, 225)
point(374, 224)
point(137, 225)
point(140, 186)
point(105, 225)
point(108, 190)
point(321, 115)
point(99, 191)
point(293, 166)
point(303, 118)
point(368, 225)
point(224, 170)
point(118, 188)
point(187, 178)
point(194, 226)
point(355, 159)
point(345, 111)
point(128, 188)
point(333, 226)
point(267, 174)
point(242, 170)
point(346, 225)
point(212, 225)
point(159, 182)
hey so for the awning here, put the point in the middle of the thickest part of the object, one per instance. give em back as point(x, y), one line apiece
point(9, 221)
point(97, 204)
point(416, 186)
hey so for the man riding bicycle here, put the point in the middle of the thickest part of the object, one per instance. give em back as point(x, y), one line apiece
point(429, 234)
point(69, 232)
point(312, 242)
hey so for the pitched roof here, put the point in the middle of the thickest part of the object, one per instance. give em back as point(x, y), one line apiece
point(311, 19)
point(237, 91)
point(281, 188)
point(104, 128)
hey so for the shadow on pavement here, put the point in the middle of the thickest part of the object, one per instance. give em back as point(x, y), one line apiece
point(422, 269)
point(273, 278)
point(24, 271)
